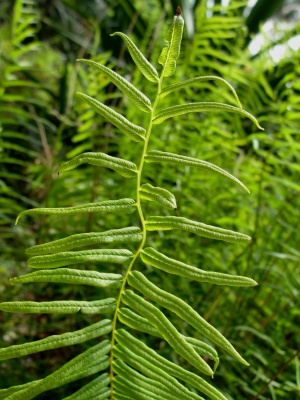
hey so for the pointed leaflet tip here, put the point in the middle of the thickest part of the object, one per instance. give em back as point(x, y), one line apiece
point(178, 11)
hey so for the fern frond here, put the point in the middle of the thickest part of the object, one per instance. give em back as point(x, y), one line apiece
point(160, 195)
point(141, 62)
point(155, 259)
point(56, 341)
point(91, 361)
point(139, 323)
point(161, 369)
point(198, 228)
point(118, 256)
point(194, 81)
point(147, 368)
point(60, 307)
point(95, 390)
point(171, 158)
point(134, 132)
point(201, 107)
point(165, 328)
point(71, 276)
point(137, 97)
point(139, 282)
point(122, 206)
point(123, 167)
point(170, 52)
point(130, 234)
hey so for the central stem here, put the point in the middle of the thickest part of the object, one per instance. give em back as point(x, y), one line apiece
point(142, 219)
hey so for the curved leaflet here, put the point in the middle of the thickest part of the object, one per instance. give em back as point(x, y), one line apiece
point(171, 158)
point(130, 234)
point(160, 261)
point(181, 85)
point(159, 195)
point(118, 256)
point(209, 231)
point(123, 167)
point(122, 206)
point(139, 282)
point(165, 328)
point(56, 341)
point(165, 368)
point(141, 62)
point(71, 276)
point(170, 52)
point(60, 307)
point(201, 107)
point(134, 132)
point(136, 96)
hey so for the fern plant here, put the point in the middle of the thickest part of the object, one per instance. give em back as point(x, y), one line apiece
point(136, 370)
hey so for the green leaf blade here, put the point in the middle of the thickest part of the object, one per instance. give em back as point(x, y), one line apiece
point(118, 256)
point(137, 97)
point(129, 356)
point(158, 260)
point(198, 228)
point(71, 276)
point(183, 310)
point(60, 307)
point(170, 52)
point(201, 107)
point(164, 327)
point(122, 206)
point(123, 167)
point(159, 195)
point(194, 81)
point(130, 234)
point(97, 387)
point(141, 62)
point(165, 368)
point(171, 158)
point(56, 341)
point(134, 132)
point(89, 362)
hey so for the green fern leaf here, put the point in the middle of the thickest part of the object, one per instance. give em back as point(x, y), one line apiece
point(134, 132)
point(130, 234)
point(91, 361)
point(60, 307)
point(96, 389)
point(193, 81)
point(123, 167)
point(140, 351)
point(71, 276)
point(212, 232)
point(165, 328)
point(138, 281)
point(141, 62)
point(160, 195)
point(171, 158)
point(139, 380)
point(122, 206)
point(118, 256)
point(137, 97)
point(57, 341)
point(201, 107)
point(157, 374)
point(135, 321)
point(171, 51)
point(159, 260)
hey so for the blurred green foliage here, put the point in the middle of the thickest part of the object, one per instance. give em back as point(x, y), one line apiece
point(41, 126)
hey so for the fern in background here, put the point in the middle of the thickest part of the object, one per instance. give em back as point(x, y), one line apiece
point(136, 369)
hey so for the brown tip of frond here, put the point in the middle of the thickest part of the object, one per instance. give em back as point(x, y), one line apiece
point(178, 11)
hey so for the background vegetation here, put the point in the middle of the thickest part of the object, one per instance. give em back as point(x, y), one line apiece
point(41, 126)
